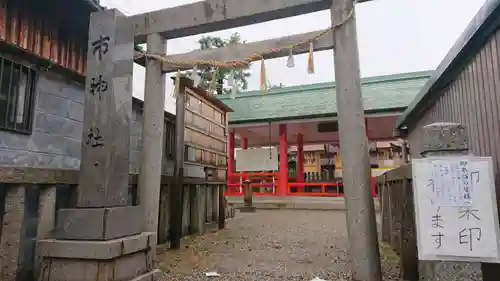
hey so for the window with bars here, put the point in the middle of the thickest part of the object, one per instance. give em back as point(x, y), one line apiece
point(17, 96)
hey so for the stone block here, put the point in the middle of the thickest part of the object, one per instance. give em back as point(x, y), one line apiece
point(445, 137)
point(98, 223)
point(120, 269)
point(123, 259)
point(130, 266)
point(53, 104)
point(96, 250)
point(52, 124)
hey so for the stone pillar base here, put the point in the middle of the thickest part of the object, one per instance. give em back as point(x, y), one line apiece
point(248, 209)
point(123, 259)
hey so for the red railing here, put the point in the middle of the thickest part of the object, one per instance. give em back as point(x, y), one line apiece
point(331, 189)
point(270, 181)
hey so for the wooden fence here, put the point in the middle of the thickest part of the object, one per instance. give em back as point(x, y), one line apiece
point(398, 221)
point(30, 198)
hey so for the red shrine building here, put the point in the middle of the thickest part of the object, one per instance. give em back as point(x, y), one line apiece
point(286, 143)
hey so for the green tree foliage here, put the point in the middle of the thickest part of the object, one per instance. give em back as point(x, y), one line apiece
point(205, 72)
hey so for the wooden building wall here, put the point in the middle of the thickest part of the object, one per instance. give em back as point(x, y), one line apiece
point(39, 28)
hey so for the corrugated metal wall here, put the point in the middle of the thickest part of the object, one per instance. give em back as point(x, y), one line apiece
point(41, 35)
point(473, 99)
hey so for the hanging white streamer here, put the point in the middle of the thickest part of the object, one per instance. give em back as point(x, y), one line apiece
point(195, 77)
point(232, 84)
point(290, 63)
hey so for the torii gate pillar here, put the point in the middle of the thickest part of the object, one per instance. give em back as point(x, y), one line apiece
point(361, 225)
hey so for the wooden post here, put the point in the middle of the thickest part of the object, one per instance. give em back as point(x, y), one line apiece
point(231, 142)
point(244, 143)
point(222, 206)
point(404, 151)
point(447, 139)
point(300, 158)
point(361, 224)
point(152, 135)
point(283, 182)
point(247, 198)
point(178, 185)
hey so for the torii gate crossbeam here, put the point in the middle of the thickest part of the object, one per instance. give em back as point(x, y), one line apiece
point(212, 15)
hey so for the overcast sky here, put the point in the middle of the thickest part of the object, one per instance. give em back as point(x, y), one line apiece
point(394, 36)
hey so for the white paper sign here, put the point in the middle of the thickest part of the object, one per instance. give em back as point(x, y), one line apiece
point(257, 159)
point(455, 206)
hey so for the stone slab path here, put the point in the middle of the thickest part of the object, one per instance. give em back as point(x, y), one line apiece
point(268, 245)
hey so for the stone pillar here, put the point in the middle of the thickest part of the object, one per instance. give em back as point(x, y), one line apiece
point(447, 139)
point(10, 240)
point(283, 182)
point(247, 198)
point(46, 218)
point(152, 135)
point(361, 225)
point(197, 218)
point(102, 238)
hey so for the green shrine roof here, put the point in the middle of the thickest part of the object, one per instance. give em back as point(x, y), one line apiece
point(380, 94)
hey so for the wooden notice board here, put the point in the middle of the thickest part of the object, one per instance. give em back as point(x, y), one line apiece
point(205, 132)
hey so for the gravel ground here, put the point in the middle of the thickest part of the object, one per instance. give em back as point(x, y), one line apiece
point(269, 245)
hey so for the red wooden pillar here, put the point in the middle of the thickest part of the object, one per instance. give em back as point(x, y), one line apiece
point(244, 143)
point(283, 184)
point(230, 157)
point(300, 158)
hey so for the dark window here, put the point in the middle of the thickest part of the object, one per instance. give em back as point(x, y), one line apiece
point(17, 96)
point(169, 139)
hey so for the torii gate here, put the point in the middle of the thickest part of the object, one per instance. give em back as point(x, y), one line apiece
point(212, 15)
point(112, 36)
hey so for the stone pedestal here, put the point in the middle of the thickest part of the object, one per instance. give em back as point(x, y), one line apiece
point(128, 258)
point(247, 199)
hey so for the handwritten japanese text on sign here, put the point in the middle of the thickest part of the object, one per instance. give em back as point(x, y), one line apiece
point(455, 208)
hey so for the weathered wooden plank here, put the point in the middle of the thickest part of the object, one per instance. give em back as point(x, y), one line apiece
point(241, 51)
point(400, 173)
point(108, 108)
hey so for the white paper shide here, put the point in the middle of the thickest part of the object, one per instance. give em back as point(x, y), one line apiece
point(455, 205)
